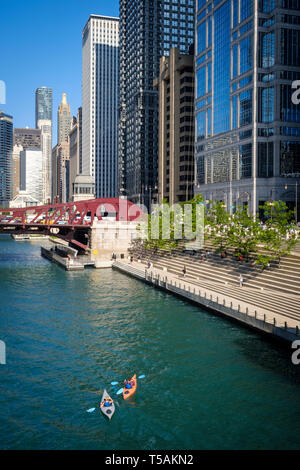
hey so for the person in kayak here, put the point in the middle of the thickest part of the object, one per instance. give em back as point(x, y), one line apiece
point(128, 384)
point(106, 402)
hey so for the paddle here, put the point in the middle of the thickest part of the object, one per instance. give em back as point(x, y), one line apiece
point(91, 410)
point(140, 377)
point(120, 391)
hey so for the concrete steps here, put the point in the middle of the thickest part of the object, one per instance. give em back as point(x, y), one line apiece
point(285, 278)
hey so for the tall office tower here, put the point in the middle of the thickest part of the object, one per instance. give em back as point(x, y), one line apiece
point(43, 118)
point(28, 138)
point(247, 126)
point(60, 157)
point(148, 30)
point(63, 120)
point(75, 150)
point(31, 176)
point(176, 137)
point(6, 146)
point(100, 91)
point(15, 176)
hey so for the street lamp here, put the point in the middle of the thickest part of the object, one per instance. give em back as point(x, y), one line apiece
point(296, 198)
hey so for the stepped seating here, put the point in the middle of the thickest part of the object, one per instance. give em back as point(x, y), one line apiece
point(284, 278)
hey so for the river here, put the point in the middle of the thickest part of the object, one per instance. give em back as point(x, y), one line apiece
point(210, 384)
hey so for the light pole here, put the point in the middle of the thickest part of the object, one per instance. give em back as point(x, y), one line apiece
point(296, 198)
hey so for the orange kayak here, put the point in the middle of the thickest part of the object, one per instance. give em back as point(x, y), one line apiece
point(128, 392)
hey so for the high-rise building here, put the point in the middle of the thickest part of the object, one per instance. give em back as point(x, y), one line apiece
point(43, 105)
point(15, 176)
point(6, 146)
point(60, 157)
point(247, 126)
point(31, 176)
point(63, 120)
point(43, 114)
point(28, 138)
point(100, 91)
point(175, 86)
point(75, 150)
point(148, 30)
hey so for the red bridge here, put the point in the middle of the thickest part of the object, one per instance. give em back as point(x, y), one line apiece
point(71, 221)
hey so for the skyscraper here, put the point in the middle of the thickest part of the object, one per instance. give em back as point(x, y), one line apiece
point(63, 120)
point(43, 115)
point(60, 157)
point(247, 127)
point(43, 105)
point(148, 30)
point(31, 176)
point(6, 146)
point(100, 91)
point(175, 85)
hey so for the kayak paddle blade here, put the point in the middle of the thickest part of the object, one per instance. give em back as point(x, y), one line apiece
point(114, 383)
point(120, 391)
point(91, 410)
point(142, 376)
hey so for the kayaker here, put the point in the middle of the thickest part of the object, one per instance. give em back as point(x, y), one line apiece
point(132, 383)
point(106, 402)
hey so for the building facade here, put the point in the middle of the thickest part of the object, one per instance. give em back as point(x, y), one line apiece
point(15, 175)
point(60, 159)
point(148, 30)
point(43, 105)
point(75, 150)
point(31, 175)
point(100, 91)
point(43, 115)
point(247, 126)
point(63, 120)
point(175, 86)
point(28, 138)
point(6, 146)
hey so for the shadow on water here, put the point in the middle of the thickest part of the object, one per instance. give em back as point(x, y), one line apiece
point(270, 356)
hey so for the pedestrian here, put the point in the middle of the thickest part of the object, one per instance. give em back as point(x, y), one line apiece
point(131, 259)
point(241, 280)
point(184, 271)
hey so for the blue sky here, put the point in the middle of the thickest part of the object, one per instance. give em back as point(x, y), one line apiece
point(41, 46)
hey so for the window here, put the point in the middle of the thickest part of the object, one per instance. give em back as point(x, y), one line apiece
point(245, 161)
point(265, 159)
point(289, 157)
point(266, 105)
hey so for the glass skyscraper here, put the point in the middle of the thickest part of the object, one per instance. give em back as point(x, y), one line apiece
point(247, 127)
point(43, 105)
point(43, 117)
point(148, 30)
point(6, 146)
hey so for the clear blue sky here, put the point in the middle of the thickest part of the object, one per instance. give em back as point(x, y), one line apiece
point(41, 46)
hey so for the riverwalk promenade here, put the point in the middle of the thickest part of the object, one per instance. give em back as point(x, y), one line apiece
point(273, 313)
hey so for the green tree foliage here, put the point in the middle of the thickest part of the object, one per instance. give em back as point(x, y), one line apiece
point(240, 233)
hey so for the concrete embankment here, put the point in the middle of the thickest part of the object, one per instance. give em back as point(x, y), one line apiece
point(261, 320)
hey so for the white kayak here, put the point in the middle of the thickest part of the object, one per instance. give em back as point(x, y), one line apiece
point(107, 410)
